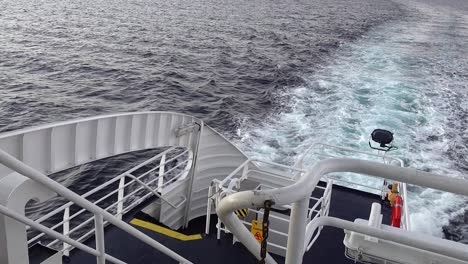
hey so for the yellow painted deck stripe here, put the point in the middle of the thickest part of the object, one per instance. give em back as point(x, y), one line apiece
point(164, 231)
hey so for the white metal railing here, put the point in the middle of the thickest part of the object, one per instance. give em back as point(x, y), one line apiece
point(117, 208)
point(337, 151)
point(220, 188)
point(100, 216)
point(324, 202)
point(319, 205)
point(320, 151)
point(298, 192)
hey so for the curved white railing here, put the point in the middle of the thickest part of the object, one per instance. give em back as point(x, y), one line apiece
point(298, 193)
point(99, 215)
point(327, 151)
point(118, 206)
point(313, 148)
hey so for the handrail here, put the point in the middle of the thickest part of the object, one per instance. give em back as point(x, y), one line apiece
point(46, 216)
point(300, 164)
point(297, 194)
point(37, 176)
point(129, 207)
point(246, 163)
point(21, 218)
point(119, 189)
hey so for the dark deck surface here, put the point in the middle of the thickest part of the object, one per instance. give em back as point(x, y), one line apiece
point(345, 203)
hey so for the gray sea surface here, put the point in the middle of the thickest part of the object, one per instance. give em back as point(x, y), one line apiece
point(222, 61)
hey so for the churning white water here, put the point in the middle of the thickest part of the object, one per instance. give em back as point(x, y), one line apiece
point(409, 76)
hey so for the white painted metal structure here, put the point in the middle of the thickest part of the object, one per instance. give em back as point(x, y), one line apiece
point(298, 194)
point(28, 155)
point(321, 151)
point(268, 175)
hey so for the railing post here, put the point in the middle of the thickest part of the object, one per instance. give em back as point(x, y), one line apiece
point(208, 210)
point(66, 230)
point(100, 246)
point(191, 175)
point(244, 172)
point(296, 232)
point(120, 197)
point(162, 166)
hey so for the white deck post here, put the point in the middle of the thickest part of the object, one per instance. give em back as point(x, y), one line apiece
point(120, 197)
point(296, 237)
point(100, 247)
point(66, 230)
point(162, 167)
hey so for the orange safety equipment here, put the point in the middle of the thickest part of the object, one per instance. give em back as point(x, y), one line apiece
point(391, 194)
point(396, 211)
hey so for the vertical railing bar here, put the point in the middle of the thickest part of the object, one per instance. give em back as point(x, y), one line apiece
point(120, 196)
point(51, 148)
point(72, 230)
point(100, 246)
point(162, 167)
point(66, 230)
point(208, 210)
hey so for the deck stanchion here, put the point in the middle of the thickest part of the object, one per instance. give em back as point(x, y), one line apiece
point(120, 197)
point(162, 166)
point(66, 230)
point(100, 247)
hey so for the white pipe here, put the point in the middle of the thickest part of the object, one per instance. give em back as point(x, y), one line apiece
point(37, 176)
point(306, 184)
point(237, 201)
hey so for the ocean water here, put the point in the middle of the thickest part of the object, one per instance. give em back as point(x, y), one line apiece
point(274, 76)
point(409, 76)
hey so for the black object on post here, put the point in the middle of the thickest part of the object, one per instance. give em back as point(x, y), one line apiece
point(384, 138)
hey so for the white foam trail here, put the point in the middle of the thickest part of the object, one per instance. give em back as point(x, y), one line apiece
point(396, 77)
